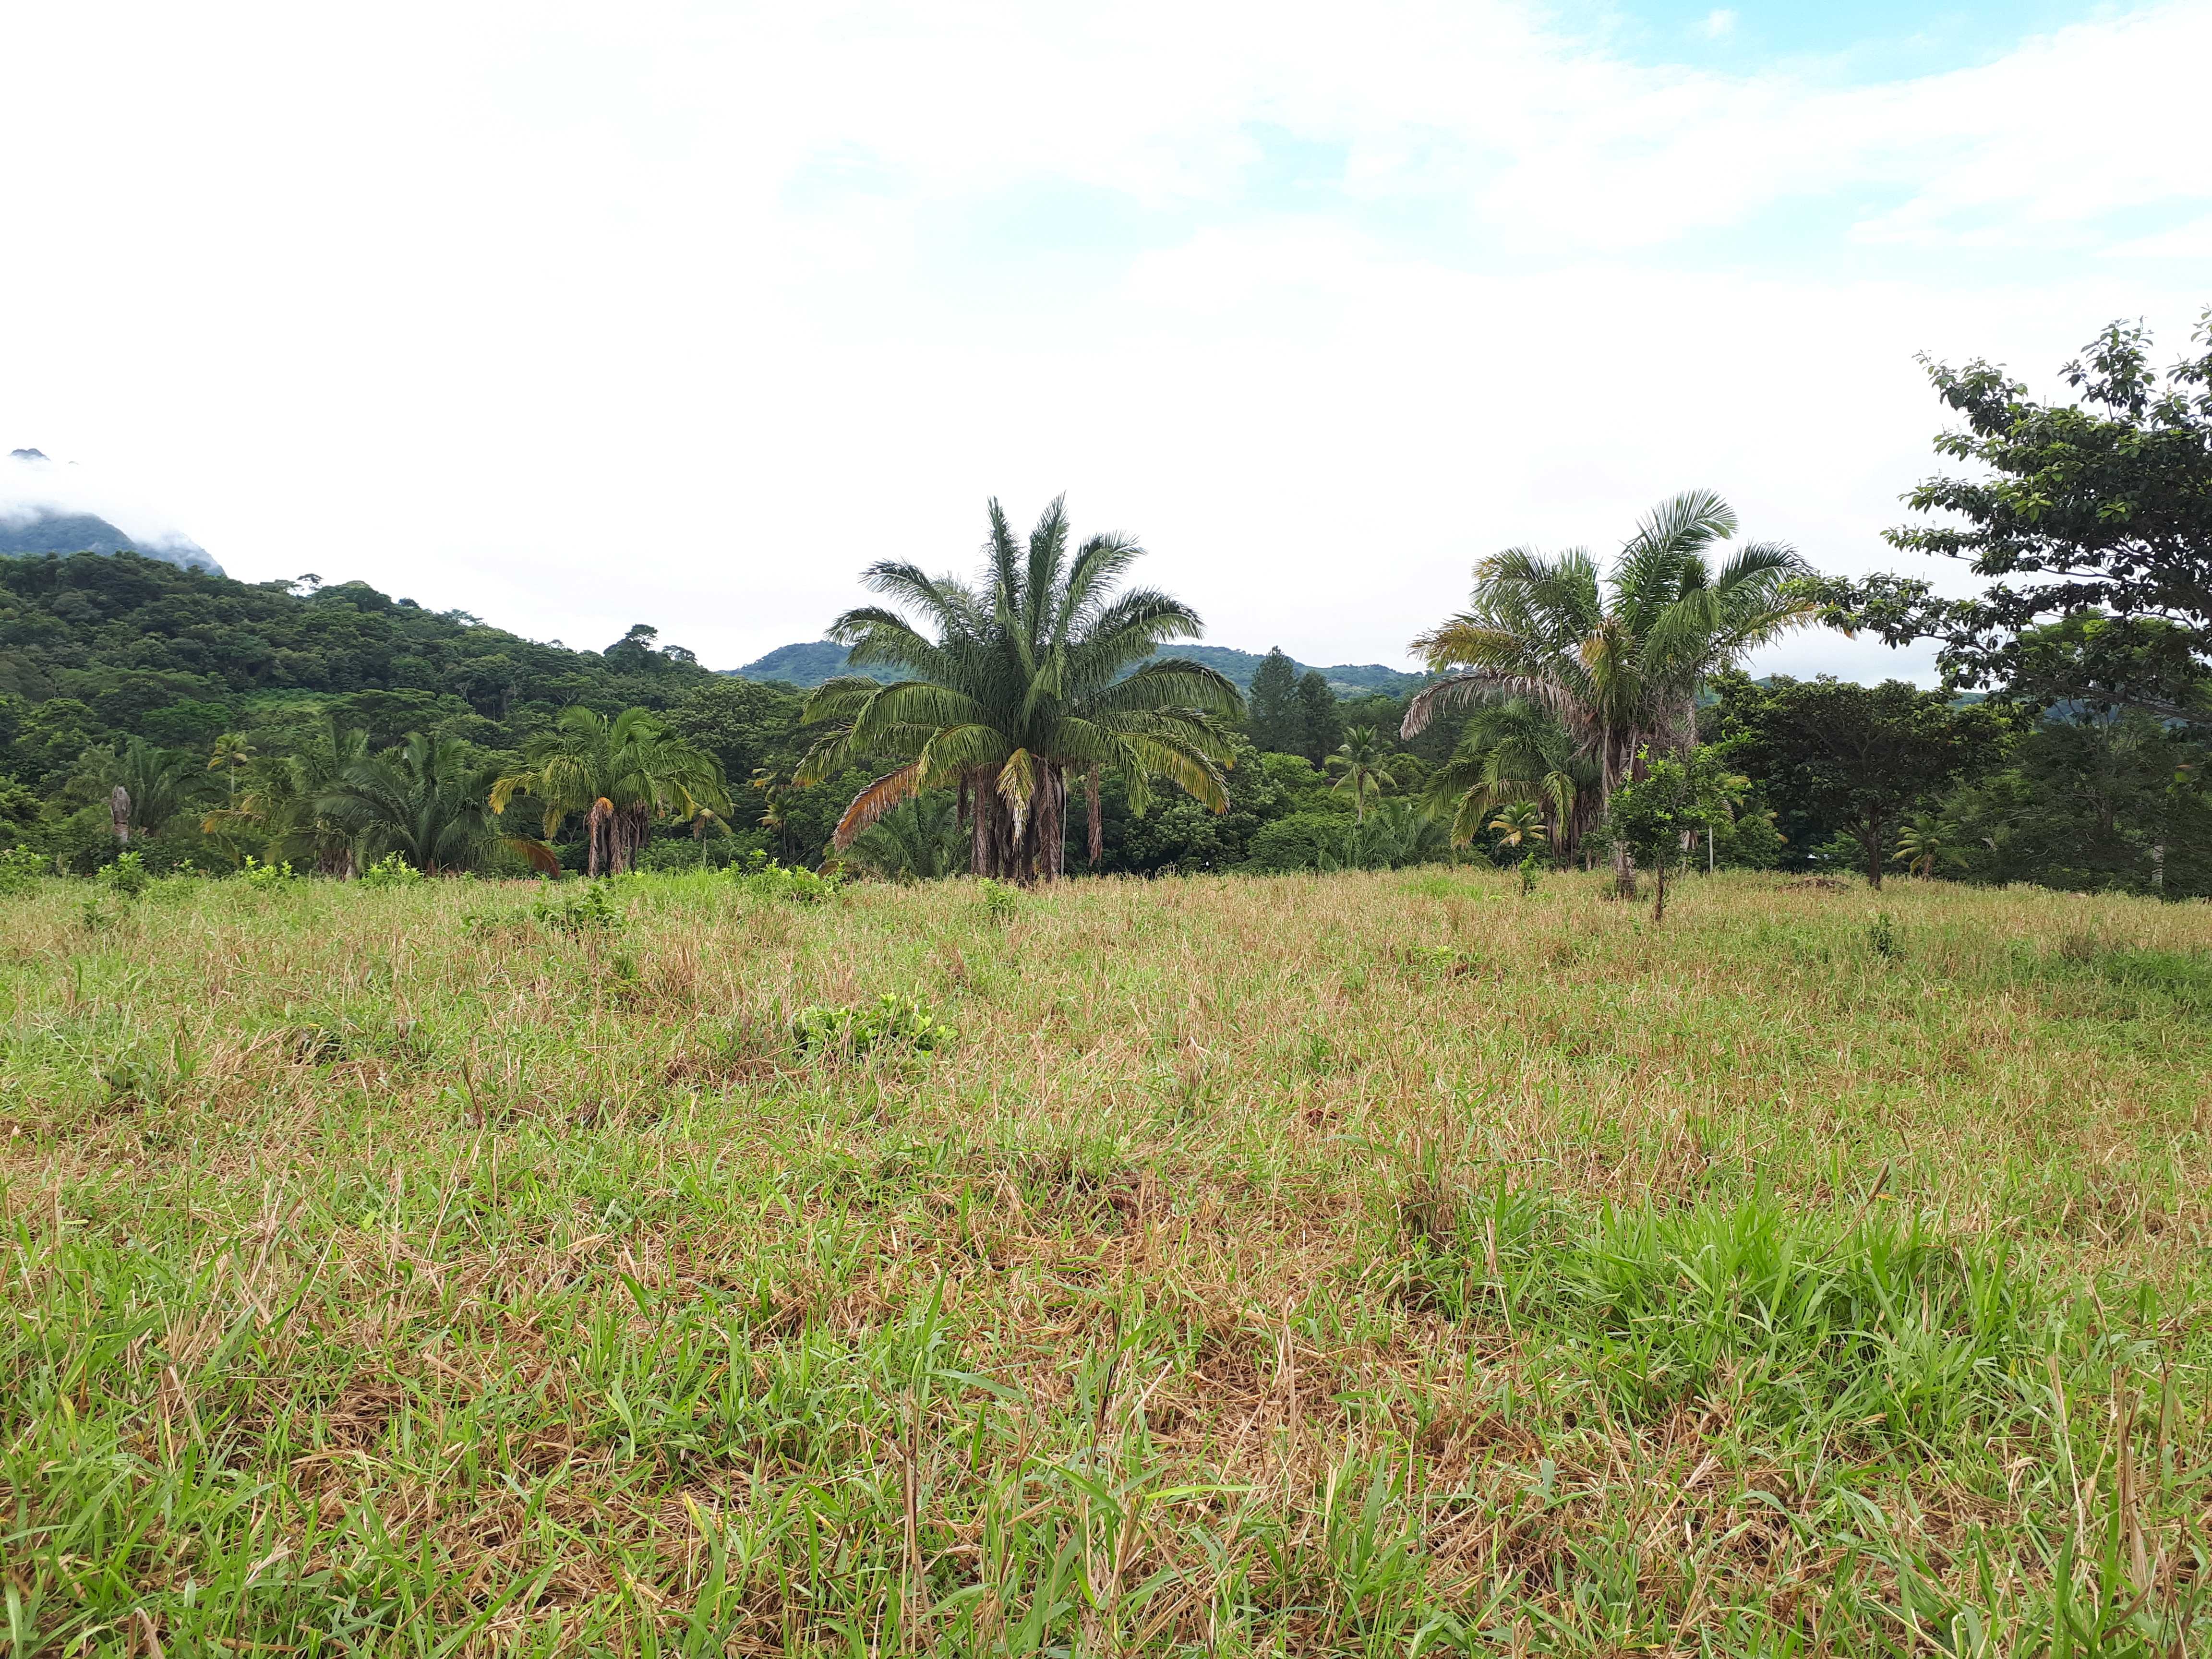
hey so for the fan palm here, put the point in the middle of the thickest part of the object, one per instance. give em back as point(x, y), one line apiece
point(1363, 759)
point(620, 774)
point(1038, 673)
point(154, 785)
point(1618, 658)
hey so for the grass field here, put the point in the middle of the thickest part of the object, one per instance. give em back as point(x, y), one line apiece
point(1358, 1264)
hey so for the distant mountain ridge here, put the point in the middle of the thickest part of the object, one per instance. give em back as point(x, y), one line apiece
point(808, 664)
point(35, 527)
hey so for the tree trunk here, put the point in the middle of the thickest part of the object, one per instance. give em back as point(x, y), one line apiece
point(1624, 874)
point(1659, 904)
point(118, 812)
point(1872, 842)
point(598, 826)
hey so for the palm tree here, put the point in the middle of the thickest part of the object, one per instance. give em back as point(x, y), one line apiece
point(919, 840)
point(1922, 847)
point(620, 774)
point(1363, 757)
point(278, 809)
point(148, 788)
point(1522, 821)
point(1037, 674)
point(422, 801)
point(233, 750)
point(1618, 659)
point(1512, 750)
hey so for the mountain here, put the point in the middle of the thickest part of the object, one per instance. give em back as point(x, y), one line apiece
point(809, 664)
point(33, 523)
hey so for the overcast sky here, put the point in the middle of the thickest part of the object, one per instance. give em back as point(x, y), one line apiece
point(575, 316)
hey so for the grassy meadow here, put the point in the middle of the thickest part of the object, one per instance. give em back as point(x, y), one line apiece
point(1359, 1264)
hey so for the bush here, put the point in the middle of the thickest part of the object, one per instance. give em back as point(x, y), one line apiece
point(262, 877)
point(391, 870)
point(848, 1033)
point(763, 878)
point(21, 868)
point(575, 912)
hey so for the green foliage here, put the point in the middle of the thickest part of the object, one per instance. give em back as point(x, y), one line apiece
point(21, 868)
point(579, 911)
point(1855, 760)
point(2097, 511)
point(1001, 902)
point(920, 840)
point(263, 877)
point(1882, 938)
point(763, 878)
point(846, 1033)
point(391, 870)
point(1677, 798)
point(126, 877)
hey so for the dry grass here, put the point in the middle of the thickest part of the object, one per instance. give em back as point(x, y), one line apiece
point(1314, 1264)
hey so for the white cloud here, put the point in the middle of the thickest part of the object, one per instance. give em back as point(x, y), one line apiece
point(680, 314)
point(1718, 24)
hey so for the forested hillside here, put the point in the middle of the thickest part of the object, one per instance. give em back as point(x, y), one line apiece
point(155, 718)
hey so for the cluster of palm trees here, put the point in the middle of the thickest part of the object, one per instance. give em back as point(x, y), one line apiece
point(1038, 675)
point(335, 807)
point(1579, 677)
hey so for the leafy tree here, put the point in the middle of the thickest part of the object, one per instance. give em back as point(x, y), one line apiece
point(1855, 759)
point(1320, 722)
point(1618, 659)
point(1038, 673)
point(2100, 508)
point(50, 738)
point(620, 775)
point(1363, 760)
point(1673, 800)
point(746, 725)
point(1276, 724)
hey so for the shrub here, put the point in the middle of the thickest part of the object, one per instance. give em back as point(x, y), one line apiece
point(848, 1033)
point(21, 868)
point(262, 877)
point(576, 912)
point(391, 870)
point(763, 878)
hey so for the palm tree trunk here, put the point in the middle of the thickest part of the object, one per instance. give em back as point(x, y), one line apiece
point(1097, 827)
point(598, 823)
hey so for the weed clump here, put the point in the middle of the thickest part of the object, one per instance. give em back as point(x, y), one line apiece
point(591, 911)
point(847, 1033)
point(764, 878)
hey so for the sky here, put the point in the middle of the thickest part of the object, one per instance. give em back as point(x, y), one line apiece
point(574, 316)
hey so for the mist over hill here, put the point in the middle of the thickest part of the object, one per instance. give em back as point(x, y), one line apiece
point(809, 664)
point(46, 509)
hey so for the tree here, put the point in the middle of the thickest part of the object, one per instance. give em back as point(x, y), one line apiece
point(919, 840)
point(621, 776)
point(1511, 749)
point(1361, 758)
point(1672, 800)
point(154, 785)
point(2100, 509)
point(1275, 725)
point(422, 801)
point(1922, 846)
point(1618, 659)
point(1855, 759)
point(1038, 673)
point(233, 750)
point(1523, 820)
point(1321, 721)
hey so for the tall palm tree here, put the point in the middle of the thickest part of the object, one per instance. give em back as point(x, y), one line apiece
point(1038, 673)
point(1363, 760)
point(422, 801)
point(233, 750)
point(1620, 658)
point(620, 774)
